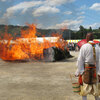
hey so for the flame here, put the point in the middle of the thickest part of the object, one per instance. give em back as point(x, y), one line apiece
point(28, 46)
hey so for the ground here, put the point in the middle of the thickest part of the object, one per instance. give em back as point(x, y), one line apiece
point(38, 80)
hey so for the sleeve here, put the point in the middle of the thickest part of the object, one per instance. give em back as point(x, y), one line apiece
point(98, 63)
point(80, 62)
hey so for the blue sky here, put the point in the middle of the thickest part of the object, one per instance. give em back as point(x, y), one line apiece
point(50, 14)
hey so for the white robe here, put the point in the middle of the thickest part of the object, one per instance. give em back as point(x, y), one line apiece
point(86, 55)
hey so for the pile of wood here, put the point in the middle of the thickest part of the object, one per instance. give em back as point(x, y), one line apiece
point(55, 54)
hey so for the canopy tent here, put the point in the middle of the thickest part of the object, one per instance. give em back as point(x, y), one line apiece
point(76, 41)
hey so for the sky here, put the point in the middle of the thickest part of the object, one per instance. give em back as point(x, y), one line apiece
point(51, 14)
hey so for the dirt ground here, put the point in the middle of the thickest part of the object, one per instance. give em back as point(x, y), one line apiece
point(38, 80)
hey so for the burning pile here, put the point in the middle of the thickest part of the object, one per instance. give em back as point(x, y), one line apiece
point(29, 46)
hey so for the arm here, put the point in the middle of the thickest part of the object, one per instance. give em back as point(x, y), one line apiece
point(98, 60)
point(98, 65)
point(80, 62)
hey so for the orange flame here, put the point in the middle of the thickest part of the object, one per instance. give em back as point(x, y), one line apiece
point(28, 46)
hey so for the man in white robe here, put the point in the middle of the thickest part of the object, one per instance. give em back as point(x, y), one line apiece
point(86, 56)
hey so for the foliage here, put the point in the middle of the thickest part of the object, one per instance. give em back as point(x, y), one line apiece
point(66, 33)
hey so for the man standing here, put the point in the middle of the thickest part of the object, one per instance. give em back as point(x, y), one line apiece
point(88, 68)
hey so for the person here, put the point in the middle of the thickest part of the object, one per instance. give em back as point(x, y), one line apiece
point(88, 68)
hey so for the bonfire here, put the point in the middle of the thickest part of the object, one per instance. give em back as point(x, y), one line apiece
point(29, 46)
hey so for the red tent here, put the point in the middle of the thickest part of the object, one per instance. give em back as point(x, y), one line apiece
point(80, 43)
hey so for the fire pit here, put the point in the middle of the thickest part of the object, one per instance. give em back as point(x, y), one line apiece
point(29, 46)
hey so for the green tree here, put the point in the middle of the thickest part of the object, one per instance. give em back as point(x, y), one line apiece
point(90, 29)
point(82, 31)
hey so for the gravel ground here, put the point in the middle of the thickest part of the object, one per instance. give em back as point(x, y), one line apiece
point(38, 80)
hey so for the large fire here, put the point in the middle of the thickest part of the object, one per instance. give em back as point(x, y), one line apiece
point(28, 46)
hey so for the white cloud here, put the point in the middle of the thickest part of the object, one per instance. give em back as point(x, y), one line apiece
point(82, 12)
point(45, 9)
point(3, 21)
point(48, 5)
point(6, 0)
point(40, 26)
point(24, 10)
point(84, 7)
point(3, 0)
point(70, 24)
point(95, 6)
point(40, 7)
point(81, 17)
point(68, 12)
point(21, 6)
point(57, 2)
point(94, 25)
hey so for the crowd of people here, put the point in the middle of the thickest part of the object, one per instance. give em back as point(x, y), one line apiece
point(73, 46)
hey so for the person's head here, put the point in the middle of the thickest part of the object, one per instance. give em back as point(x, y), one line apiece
point(89, 37)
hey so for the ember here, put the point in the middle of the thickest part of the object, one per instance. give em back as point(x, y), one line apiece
point(29, 46)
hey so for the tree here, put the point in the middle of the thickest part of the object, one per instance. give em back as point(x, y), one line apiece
point(90, 29)
point(82, 31)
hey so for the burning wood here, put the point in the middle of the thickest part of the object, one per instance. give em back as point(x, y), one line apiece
point(55, 54)
point(29, 46)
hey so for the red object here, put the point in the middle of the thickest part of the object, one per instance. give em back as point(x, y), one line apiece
point(94, 75)
point(80, 43)
point(80, 80)
point(95, 41)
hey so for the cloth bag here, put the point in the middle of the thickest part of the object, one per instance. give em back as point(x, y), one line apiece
point(89, 76)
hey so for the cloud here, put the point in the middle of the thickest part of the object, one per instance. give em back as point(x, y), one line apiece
point(95, 6)
point(81, 13)
point(3, 0)
point(68, 12)
point(45, 9)
point(94, 25)
point(4, 21)
point(21, 6)
point(44, 6)
point(57, 2)
point(50, 6)
point(70, 24)
point(80, 17)
point(84, 7)
point(41, 26)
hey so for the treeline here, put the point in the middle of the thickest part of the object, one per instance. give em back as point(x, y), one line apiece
point(81, 33)
point(66, 33)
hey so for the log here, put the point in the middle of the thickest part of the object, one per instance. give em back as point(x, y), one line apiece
point(55, 54)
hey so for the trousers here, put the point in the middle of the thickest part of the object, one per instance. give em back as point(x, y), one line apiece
point(85, 98)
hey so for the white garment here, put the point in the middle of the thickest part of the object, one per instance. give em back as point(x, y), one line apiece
point(86, 55)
